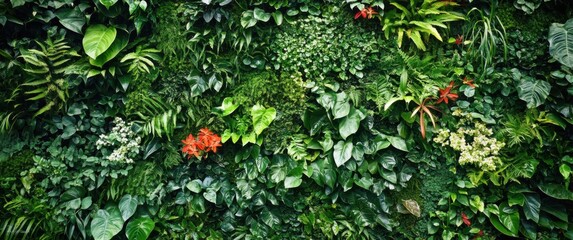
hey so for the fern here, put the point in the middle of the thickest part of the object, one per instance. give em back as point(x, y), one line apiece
point(158, 118)
point(22, 227)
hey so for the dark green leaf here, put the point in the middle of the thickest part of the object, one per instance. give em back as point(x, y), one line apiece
point(533, 92)
point(349, 124)
point(500, 227)
point(398, 143)
point(210, 195)
point(532, 206)
point(72, 19)
point(561, 42)
point(108, 3)
point(556, 191)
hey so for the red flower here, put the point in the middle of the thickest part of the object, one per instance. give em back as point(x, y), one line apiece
point(366, 13)
point(192, 146)
point(466, 220)
point(210, 140)
point(206, 141)
point(469, 82)
point(445, 94)
point(459, 40)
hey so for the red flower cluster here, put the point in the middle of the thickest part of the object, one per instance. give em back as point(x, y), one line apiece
point(446, 94)
point(205, 142)
point(366, 13)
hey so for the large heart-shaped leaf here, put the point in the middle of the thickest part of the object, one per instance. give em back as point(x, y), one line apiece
point(139, 229)
point(262, 117)
point(341, 107)
point(127, 206)
point(533, 92)
point(98, 39)
point(349, 125)
point(561, 42)
point(106, 224)
point(121, 40)
point(342, 152)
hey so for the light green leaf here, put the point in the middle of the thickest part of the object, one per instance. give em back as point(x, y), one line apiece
point(127, 206)
point(108, 3)
point(349, 124)
point(17, 3)
point(118, 44)
point(561, 42)
point(194, 186)
point(106, 224)
point(210, 195)
point(227, 107)
point(565, 170)
point(261, 15)
point(398, 143)
point(342, 152)
point(509, 217)
point(139, 229)
point(98, 39)
point(341, 107)
point(262, 117)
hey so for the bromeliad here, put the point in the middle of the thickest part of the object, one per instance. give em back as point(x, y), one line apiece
point(423, 109)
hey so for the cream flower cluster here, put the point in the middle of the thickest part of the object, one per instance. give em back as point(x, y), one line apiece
point(125, 141)
point(476, 146)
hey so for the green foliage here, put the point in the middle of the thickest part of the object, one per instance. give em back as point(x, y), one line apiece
point(325, 46)
point(560, 45)
point(528, 6)
point(418, 20)
point(486, 33)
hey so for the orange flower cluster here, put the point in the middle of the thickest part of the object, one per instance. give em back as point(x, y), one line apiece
point(366, 13)
point(205, 142)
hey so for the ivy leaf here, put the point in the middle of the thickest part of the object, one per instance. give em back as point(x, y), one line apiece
point(127, 206)
point(106, 224)
point(533, 92)
point(210, 195)
point(342, 152)
point(261, 15)
point(98, 39)
point(349, 125)
point(139, 229)
point(262, 117)
point(561, 42)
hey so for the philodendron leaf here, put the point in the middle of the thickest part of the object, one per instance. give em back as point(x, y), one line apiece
point(227, 107)
point(72, 18)
point(342, 152)
point(98, 39)
point(262, 117)
point(412, 207)
point(106, 224)
point(341, 107)
point(139, 229)
point(349, 124)
point(533, 92)
point(532, 206)
point(561, 42)
point(127, 206)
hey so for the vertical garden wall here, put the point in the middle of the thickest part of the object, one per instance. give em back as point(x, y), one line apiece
point(286, 119)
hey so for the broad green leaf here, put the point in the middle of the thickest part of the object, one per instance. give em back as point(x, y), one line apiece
point(261, 15)
point(278, 174)
point(108, 3)
point(270, 219)
point(127, 206)
point(72, 19)
point(565, 170)
point(500, 227)
point(516, 199)
point(17, 3)
point(98, 39)
point(341, 107)
point(118, 44)
point(532, 206)
point(398, 143)
point(248, 19)
point(139, 229)
point(198, 204)
point(292, 181)
point(476, 203)
point(72, 193)
point(342, 152)
point(390, 176)
point(278, 17)
point(106, 224)
point(349, 124)
point(314, 121)
point(561, 42)
point(509, 217)
point(262, 117)
point(556, 191)
point(533, 92)
point(210, 195)
point(227, 107)
point(327, 100)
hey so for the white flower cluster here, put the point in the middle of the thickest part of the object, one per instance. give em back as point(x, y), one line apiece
point(123, 139)
point(476, 146)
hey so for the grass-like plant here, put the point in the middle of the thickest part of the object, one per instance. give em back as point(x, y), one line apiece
point(486, 34)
